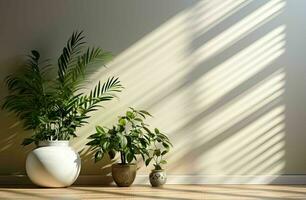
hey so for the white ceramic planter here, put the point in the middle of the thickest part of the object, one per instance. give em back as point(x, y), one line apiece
point(53, 164)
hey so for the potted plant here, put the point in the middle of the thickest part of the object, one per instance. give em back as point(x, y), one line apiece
point(161, 146)
point(129, 137)
point(53, 107)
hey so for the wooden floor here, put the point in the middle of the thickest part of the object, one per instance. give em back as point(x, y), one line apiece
point(171, 192)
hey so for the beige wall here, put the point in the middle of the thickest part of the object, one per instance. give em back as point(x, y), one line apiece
point(224, 78)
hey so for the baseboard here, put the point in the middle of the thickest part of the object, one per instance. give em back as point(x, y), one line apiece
point(173, 179)
point(230, 179)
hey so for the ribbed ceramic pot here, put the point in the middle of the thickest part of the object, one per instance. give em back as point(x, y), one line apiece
point(53, 164)
point(158, 178)
point(124, 175)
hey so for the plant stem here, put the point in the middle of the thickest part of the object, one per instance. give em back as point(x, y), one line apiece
point(122, 155)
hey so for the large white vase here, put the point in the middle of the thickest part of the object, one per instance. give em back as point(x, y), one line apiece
point(53, 164)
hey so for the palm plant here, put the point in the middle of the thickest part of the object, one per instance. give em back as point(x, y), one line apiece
point(54, 108)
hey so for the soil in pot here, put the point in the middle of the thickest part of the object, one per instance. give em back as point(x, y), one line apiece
point(124, 174)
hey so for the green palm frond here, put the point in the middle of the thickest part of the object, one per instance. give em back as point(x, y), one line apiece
point(90, 57)
point(28, 96)
point(100, 93)
point(53, 109)
point(74, 63)
point(30, 81)
point(86, 63)
point(70, 52)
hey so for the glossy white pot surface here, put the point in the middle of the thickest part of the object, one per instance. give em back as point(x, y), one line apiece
point(53, 164)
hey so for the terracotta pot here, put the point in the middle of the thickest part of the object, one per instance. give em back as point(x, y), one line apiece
point(124, 174)
point(158, 178)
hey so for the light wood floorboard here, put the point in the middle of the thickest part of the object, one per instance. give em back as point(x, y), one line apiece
point(170, 192)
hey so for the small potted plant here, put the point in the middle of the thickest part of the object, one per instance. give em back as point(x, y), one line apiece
point(52, 107)
point(130, 137)
point(161, 146)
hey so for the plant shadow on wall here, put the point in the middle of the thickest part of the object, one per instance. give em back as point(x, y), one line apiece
point(230, 76)
point(11, 138)
point(238, 80)
point(237, 96)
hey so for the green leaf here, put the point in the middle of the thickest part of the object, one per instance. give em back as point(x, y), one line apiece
point(164, 152)
point(157, 152)
point(147, 162)
point(138, 119)
point(35, 54)
point(94, 136)
point(163, 162)
point(165, 145)
point(122, 122)
point(129, 157)
point(98, 155)
point(157, 167)
point(129, 114)
point(143, 142)
point(147, 130)
point(93, 142)
point(100, 130)
point(69, 54)
point(105, 145)
point(122, 140)
point(145, 112)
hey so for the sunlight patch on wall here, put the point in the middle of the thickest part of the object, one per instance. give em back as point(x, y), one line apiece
point(208, 14)
point(266, 147)
point(239, 30)
point(147, 69)
point(227, 120)
point(263, 154)
point(241, 107)
point(239, 68)
point(222, 125)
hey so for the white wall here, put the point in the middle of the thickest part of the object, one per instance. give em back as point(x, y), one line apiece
point(224, 78)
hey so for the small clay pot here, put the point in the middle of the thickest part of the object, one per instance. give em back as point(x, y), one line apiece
point(124, 174)
point(158, 178)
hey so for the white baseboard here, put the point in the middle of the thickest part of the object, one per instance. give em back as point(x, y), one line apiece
point(174, 179)
point(229, 179)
